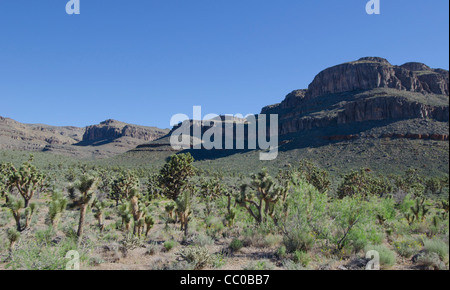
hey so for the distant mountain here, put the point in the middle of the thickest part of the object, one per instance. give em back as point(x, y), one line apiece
point(362, 113)
point(365, 113)
point(370, 89)
point(106, 139)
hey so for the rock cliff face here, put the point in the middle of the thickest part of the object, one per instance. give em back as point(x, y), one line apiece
point(373, 72)
point(370, 89)
point(112, 129)
point(106, 139)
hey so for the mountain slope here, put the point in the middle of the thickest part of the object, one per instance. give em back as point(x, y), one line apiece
point(104, 140)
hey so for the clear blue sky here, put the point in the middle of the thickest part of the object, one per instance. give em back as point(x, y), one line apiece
point(141, 61)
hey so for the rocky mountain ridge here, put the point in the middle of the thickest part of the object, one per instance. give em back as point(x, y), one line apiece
point(370, 89)
point(108, 138)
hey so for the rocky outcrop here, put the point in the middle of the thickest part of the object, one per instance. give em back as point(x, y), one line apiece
point(112, 129)
point(107, 139)
point(370, 89)
point(370, 72)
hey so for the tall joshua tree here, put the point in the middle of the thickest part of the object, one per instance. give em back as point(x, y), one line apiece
point(27, 180)
point(82, 192)
point(175, 175)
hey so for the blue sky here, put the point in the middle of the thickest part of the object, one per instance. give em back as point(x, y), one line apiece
point(142, 61)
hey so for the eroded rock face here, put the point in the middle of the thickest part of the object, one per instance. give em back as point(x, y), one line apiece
point(111, 129)
point(370, 89)
point(369, 73)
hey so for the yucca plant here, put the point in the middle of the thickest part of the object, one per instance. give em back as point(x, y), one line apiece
point(183, 209)
point(99, 207)
point(17, 207)
point(125, 214)
point(56, 207)
point(260, 197)
point(123, 186)
point(13, 237)
point(27, 180)
point(82, 192)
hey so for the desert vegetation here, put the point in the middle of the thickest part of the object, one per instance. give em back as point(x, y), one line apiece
point(178, 216)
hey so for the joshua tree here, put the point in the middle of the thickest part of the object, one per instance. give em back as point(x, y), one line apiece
point(175, 175)
point(154, 189)
point(99, 207)
point(56, 207)
point(27, 180)
point(184, 203)
point(170, 207)
point(261, 200)
point(122, 187)
point(231, 211)
point(149, 222)
point(17, 205)
point(82, 192)
point(125, 214)
point(210, 191)
point(314, 175)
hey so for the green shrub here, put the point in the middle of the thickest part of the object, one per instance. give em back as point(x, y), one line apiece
point(298, 240)
point(260, 266)
point(202, 240)
point(236, 245)
point(302, 258)
point(438, 247)
point(219, 261)
point(169, 245)
point(281, 252)
point(407, 247)
point(197, 256)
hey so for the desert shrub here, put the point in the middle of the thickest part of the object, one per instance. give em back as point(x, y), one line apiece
point(387, 257)
point(44, 236)
point(407, 247)
point(298, 240)
point(169, 245)
point(197, 256)
point(351, 217)
point(152, 249)
point(34, 256)
point(281, 252)
point(236, 245)
point(259, 266)
point(302, 258)
point(272, 240)
point(202, 240)
point(291, 265)
point(214, 226)
point(219, 261)
point(431, 261)
point(438, 247)
point(306, 218)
